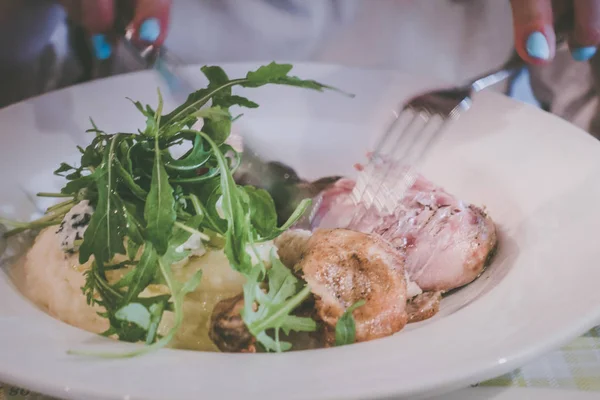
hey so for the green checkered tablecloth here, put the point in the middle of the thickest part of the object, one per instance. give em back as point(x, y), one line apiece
point(576, 366)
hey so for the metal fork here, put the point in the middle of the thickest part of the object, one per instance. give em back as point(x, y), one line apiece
point(388, 175)
point(165, 63)
point(150, 56)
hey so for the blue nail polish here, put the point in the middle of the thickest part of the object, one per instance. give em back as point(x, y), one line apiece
point(583, 53)
point(537, 46)
point(101, 47)
point(150, 30)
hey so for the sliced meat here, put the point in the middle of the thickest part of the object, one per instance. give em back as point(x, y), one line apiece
point(227, 329)
point(423, 306)
point(446, 243)
point(343, 267)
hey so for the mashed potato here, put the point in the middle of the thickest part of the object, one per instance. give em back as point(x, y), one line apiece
point(52, 279)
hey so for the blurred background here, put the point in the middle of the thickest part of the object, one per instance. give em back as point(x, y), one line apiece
point(42, 48)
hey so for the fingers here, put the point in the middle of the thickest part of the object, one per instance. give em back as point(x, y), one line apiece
point(150, 21)
point(586, 35)
point(97, 18)
point(535, 39)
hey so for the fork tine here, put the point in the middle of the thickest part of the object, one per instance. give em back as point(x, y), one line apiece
point(406, 139)
point(389, 192)
point(404, 174)
point(390, 139)
point(370, 182)
point(384, 189)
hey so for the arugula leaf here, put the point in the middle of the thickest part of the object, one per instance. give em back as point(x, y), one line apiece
point(174, 254)
point(184, 230)
point(90, 285)
point(214, 113)
point(144, 273)
point(262, 211)
point(234, 100)
point(133, 226)
point(64, 167)
point(278, 74)
point(216, 76)
point(134, 313)
point(159, 210)
point(178, 292)
point(275, 306)
point(77, 185)
point(104, 236)
point(270, 74)
point(237, 233)
point(107, 296)
point(156, 313)
point(151, 121)
point(264, 215)
point(296, 215)
point(196, 158)
point(125, 330)
point(217, 123)
point(345, 329)
point(93, 153)
point(223, 97)
point(129, 182)
point(144, 317)
point(126, 280)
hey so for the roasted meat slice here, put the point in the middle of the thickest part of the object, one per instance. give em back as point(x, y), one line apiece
point(343, 267)
point(446, 243)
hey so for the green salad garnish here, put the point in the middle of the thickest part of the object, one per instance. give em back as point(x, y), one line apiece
point(147, 201)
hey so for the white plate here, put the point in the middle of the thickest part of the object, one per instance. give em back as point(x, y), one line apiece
point(537, 175)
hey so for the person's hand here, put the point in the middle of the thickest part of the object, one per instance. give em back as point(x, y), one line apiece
point(149, 23)
point(535, 38)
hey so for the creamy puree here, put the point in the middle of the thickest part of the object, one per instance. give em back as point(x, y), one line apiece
point(53, 279)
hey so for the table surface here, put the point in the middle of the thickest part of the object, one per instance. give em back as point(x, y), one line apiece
point(573, 370)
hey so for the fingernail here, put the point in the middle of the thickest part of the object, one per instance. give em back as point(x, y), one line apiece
point(101, 47)
point(150, 30)
point(583, 53)
point(537, 46)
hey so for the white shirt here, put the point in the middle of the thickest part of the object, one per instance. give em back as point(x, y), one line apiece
point(448, 39)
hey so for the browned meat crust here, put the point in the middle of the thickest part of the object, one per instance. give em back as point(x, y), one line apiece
point(423, 306)
point(343, 267)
